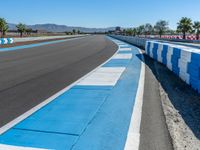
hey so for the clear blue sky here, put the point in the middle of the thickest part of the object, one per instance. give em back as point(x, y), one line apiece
point(99, 13)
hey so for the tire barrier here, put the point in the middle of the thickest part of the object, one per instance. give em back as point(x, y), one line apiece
point(181, 60)
point(6, 41)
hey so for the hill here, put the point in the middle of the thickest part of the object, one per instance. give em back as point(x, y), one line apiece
point(61, 28)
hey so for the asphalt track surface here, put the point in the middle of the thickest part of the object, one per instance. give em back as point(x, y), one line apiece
point(29, 76)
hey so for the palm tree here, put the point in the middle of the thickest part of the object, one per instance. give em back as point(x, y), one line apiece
point(140, 30)
point(148, 29)
point(134, 31)
point(161, 27)
point(129, 32)
point(184, 26)
point(196, 27)
point(3, 27)
point(21, 28)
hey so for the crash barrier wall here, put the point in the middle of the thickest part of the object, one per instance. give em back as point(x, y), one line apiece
point(181, 60)
point(140, 42)
point(6, 41)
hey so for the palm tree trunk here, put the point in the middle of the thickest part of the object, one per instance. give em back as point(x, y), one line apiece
point(4, 34)
point(21, 34)
point(1, 32)
point(197, 36)
point(184, 37)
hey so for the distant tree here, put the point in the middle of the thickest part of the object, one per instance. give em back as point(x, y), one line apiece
point(170, 31)
point(161, 27)
point(184, 26)
point(3, 27)
point(78, 31)
point(124, 31)
point(140, 30)
point(148, 29)
point(137, 31)
point(74, 31)
point(21, 28)
point(196, 27)
point(29, 31)
point(134, 31)
point(129, 32)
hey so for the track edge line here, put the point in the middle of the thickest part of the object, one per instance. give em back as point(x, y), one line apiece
point(133, 136)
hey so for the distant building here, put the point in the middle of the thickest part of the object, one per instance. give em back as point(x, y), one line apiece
point(118, 29)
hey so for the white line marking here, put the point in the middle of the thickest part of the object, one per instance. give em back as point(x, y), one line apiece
point(119, 43)
point(125, 49)
point(105, 76)
point(9, 147)
point(110, 69)
point(122, 56)
point(45, 102)
point(133, 137)
point(123, 45)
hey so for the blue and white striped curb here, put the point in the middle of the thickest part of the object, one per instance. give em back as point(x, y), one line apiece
point(92, 113)
point(6, 41)
point(183, 61)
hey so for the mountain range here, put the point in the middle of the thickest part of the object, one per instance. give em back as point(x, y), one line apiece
point(61, 28)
